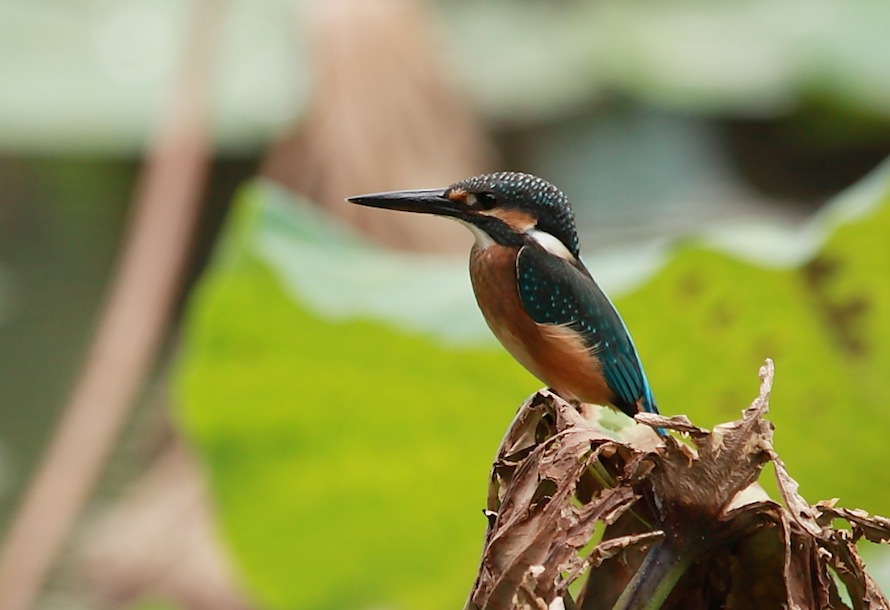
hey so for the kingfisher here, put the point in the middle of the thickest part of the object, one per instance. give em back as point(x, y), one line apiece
point(536, 295)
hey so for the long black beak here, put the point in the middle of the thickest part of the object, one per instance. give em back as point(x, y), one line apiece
point(426, 201)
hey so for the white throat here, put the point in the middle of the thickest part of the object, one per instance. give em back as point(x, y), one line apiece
point(483, 239)
point(548, 242)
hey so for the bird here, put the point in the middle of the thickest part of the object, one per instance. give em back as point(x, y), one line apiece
point(536, 295)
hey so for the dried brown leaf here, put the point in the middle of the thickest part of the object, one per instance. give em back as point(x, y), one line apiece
point(680, 423)
point(873, 528)
point(685, 527)
point(801, 512)
point(610, 548)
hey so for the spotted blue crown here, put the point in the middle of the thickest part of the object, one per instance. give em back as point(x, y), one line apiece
point(531, 194)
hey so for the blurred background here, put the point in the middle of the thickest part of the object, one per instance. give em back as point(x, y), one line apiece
point(264, 398)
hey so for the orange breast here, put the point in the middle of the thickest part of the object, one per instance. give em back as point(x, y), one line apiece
point(554, 354)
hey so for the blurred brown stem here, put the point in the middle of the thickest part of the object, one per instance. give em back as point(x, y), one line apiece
point(143, 292)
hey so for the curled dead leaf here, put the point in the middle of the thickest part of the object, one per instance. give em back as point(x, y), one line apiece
point(646, 524)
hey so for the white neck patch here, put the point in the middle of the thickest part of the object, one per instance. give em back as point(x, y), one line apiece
point(483, 239)
point(551, 244)
point(547, 241)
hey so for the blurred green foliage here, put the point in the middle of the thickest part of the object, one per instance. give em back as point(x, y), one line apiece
point(348, 453)
point(348, 457)
point(751, 58)
point(709, 318)
point(347, 401)
point(89, 74)
point(60, 225)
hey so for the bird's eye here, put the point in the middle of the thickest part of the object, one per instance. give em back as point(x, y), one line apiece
point(484, 200)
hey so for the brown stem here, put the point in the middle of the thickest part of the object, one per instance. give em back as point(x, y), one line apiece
point(137, 312)
point(653, 581)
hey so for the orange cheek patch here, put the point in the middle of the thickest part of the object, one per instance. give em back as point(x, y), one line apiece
point(517, 220)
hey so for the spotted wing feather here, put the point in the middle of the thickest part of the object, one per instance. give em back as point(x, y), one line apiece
point(559, 292)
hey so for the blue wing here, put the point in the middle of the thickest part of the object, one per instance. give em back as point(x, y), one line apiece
point(556, 291)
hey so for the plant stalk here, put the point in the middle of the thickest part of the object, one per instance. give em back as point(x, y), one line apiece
point(656, 577)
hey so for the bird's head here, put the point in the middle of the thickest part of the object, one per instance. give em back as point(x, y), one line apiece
point(506, 208)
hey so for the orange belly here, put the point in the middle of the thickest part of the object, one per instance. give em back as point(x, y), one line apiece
point(554, 354)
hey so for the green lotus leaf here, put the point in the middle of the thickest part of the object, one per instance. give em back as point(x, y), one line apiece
point(347, 401)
